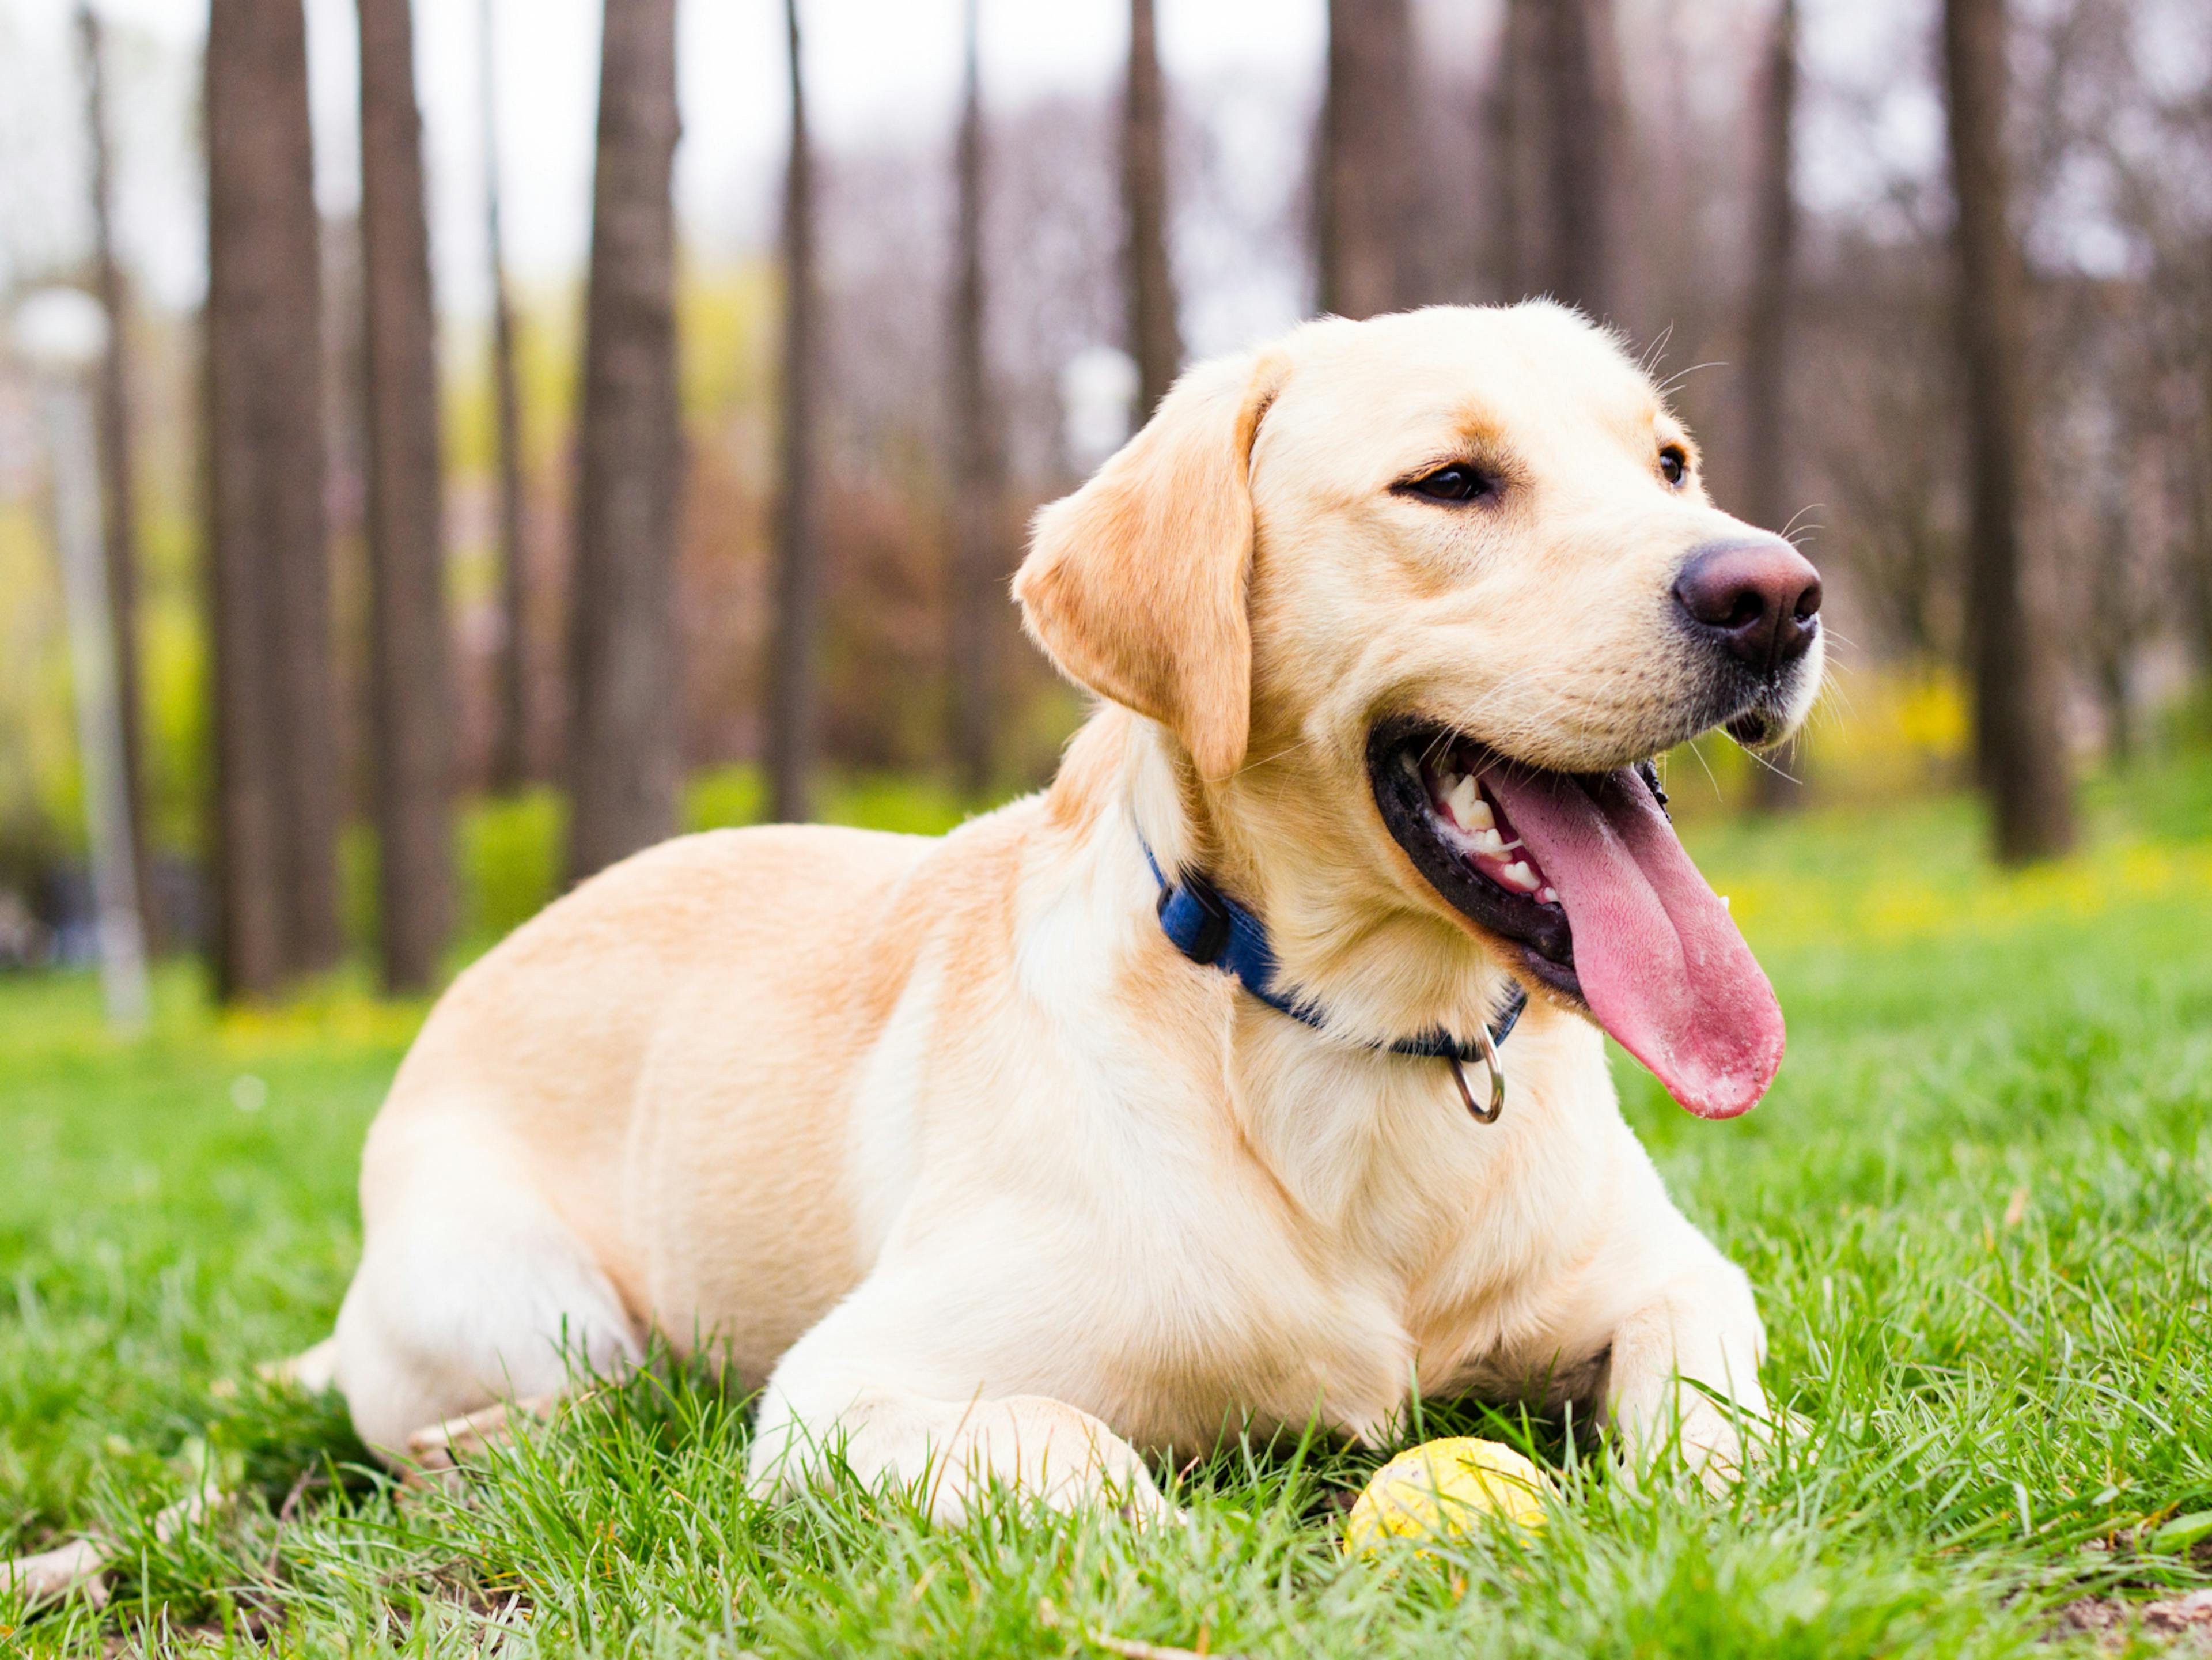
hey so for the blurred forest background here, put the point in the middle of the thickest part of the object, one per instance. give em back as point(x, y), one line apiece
point(491, 491)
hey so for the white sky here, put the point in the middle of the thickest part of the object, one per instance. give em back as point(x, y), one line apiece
point(876, 70)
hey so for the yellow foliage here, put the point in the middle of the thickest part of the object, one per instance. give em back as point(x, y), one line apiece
point(546, 336)
point(727, 323)
point(334, 1015)
point(38, 784)
point(1887, 732)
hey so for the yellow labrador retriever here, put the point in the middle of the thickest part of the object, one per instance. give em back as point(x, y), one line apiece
point(981, 1171)
point(1139, 1109)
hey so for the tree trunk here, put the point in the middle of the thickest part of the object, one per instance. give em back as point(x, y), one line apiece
point(1767, 326)
point(978, 576)
point(275, 809)
point(510, 758)
point(1155, 339)
point(1577, 145)
point(1510, 182)
point(624, 730)
point(1369, 167)
point(2197, 460)
point(410, 714)
point(2019, 745)
point(118, 473)
point(2197, 552)
point(791, 699)
point(2112, 636)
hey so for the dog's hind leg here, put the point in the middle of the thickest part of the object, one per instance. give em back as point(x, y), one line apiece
point(470, 1291)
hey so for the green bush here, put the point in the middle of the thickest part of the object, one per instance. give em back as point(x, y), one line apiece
point(512, 850)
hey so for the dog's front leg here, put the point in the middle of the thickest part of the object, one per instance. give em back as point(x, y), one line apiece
point(1685, 1369)
point(846, 1395)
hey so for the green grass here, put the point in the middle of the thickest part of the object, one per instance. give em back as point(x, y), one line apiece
point(1976, 1207)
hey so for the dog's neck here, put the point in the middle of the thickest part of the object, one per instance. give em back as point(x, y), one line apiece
point(1337, 1130)
point(1346, 938)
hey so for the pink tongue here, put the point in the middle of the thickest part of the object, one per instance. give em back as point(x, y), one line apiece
point(1661, 963)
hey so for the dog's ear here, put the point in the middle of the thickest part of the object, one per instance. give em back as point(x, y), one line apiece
point(1135, 586)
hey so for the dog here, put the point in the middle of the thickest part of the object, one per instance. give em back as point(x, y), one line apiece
point(1150, 1107)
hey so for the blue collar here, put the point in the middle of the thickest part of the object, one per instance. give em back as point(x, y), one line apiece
point(1209, 928)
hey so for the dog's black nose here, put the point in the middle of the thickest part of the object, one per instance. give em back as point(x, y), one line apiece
point(1759, 600)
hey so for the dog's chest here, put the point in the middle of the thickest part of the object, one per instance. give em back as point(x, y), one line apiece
point(1333, 1281)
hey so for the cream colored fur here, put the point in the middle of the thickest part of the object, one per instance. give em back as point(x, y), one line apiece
point(940, 1142)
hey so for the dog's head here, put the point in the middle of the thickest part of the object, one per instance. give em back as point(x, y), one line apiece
point(1416, 595)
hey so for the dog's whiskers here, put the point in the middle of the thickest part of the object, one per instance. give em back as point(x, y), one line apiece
point(1778, 771)
point(1675, 380)
point(1711, 777)
point(1788, 532)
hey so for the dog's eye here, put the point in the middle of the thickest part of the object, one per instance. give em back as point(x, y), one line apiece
point(1457, 482)
point(1674, 464)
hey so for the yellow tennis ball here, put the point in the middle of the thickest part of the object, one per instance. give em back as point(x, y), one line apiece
point(1440, 1491)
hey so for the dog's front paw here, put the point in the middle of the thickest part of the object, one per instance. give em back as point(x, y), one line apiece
point(1683, 1378)
point(949, 1456)
point(1046, 1450)
point(1715, 1438)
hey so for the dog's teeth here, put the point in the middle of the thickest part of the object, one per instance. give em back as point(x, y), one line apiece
point(1551, 896)
point(1518, 875)
point(1463, 800)
point(1489, 841)
point(1478, 816)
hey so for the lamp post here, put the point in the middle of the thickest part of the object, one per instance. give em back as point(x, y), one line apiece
point(61, 333)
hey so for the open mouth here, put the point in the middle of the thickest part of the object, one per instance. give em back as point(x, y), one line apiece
point(1581, 878)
